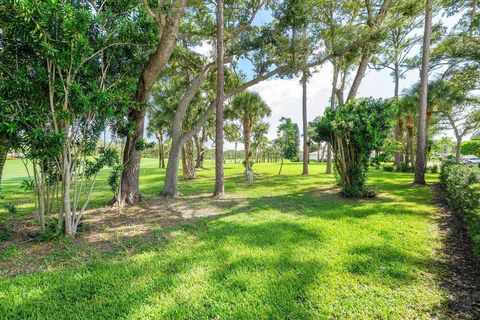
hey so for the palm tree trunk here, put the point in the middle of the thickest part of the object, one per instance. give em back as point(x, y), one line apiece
point(420, 165)
point(219, 174)
point(305, 124)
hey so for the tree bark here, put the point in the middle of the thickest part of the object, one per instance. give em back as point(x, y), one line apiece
point(190, 161)
point(247, 127)
point(362, 68)
point(200, 148)
point(184, 163)
point(420, 165)
point(219, 174)
point(170, 186)
point(305, 124)
point(130, 192)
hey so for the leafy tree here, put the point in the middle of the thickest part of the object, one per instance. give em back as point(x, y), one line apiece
point(77, 60)
point(249, 108)
point(288, 140)
point(354, 131)
point(471, 147)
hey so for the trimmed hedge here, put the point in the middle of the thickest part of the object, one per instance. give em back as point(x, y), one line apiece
point(462, 190)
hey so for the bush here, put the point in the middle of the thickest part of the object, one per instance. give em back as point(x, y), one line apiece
point(433, 168)
point(405, 167)
point(462, 190)
point(388, 168)
point(354, 131)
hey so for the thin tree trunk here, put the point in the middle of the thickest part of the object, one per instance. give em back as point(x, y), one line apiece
point(200, 151)
point(161, 155)
point(281, 166)
point(184, 163)
point(305, 124)
point(219, 174)
point(235, 153)
point(420, 165)
point(247, 125)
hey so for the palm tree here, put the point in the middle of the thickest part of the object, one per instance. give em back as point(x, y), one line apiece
point(420, 165)
point(249, 108)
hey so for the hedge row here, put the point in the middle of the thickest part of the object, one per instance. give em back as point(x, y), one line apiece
point(462, 190)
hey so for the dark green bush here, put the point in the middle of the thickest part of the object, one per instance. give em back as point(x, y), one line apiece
point(405, 167)
point(388, 168)
point(462, 190)
point(433, 168)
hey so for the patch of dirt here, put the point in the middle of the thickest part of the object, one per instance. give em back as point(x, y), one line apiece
point(105, 230)
point(462, 277)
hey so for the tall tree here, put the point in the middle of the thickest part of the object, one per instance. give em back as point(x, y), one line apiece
point(167, 16)
point(305, 123)
point(420, 165)
point(219, 173)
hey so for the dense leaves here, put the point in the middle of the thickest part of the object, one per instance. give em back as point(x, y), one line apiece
point(355, 130)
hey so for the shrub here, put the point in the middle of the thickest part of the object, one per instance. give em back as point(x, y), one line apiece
point(388, 168)
point(433, 168)
point(354, 131)
point(405, 167)
point(462, 190)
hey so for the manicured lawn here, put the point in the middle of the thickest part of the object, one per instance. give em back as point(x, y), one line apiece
point(286, 248)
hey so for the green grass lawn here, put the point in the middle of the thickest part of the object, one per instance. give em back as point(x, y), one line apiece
point(289, 248)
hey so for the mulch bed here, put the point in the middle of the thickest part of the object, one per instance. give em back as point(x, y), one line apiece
point(462, 267)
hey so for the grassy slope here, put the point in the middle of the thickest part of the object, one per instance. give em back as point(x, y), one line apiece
point(292, 249)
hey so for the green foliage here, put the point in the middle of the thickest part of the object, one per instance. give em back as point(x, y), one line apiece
point(288, 139)
point(355, 130)
point(471, 148)
point(462, 190)
point(405, 167)
point(388, 168)
point(433, 168)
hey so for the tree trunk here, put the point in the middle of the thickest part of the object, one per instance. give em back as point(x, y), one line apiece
point(190, 161)
point(170, 186)
point(130, 192)
point(184, 163)
point(219, 174)
point(458, 150)
point(281, 166)
point(200, 147)
point(329, 159)
point(420, 165)
point(362, 68)
point(247, 126)
point(235, 153)
point(305, 124)
point(3, 155)
point(410, 154)
point(161, 155)
point(398, 138)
